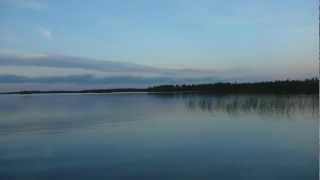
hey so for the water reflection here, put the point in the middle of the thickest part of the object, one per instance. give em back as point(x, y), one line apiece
point(153, 136)
point(264, 105)
point(59, 113)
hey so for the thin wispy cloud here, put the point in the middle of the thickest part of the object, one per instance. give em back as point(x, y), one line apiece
point(6, 52)
point(45, 65)
point(45, 32)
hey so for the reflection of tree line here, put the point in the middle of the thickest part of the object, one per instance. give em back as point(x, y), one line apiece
point(236, 104)
point(280, 105)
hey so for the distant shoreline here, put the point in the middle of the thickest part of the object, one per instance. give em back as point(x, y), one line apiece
point(308, 86)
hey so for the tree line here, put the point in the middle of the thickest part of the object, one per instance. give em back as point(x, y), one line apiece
point(307, 86)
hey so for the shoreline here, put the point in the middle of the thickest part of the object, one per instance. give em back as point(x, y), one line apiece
point(308, 86)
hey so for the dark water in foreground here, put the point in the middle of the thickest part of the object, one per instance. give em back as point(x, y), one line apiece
point(153, 136)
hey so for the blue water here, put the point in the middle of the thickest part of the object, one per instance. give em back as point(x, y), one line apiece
point(158, 136)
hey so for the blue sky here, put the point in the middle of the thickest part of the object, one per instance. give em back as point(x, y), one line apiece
point(267, 36)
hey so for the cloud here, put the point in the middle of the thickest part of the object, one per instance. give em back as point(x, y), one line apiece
point(5, 52)
point(18, 69)
point(27, 68)
point(71, 62)
point(46, 64)
point(88, 81)
point(45, 32)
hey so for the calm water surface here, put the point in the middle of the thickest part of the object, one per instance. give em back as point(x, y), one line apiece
point(154, 136)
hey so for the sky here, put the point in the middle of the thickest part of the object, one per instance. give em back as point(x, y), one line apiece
point(180, 40)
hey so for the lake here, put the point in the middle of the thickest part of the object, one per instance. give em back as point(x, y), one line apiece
point(159, 136)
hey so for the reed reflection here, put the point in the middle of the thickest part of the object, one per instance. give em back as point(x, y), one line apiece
point(262, 105)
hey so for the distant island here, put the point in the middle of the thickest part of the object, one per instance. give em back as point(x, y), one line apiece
point(307, 86)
